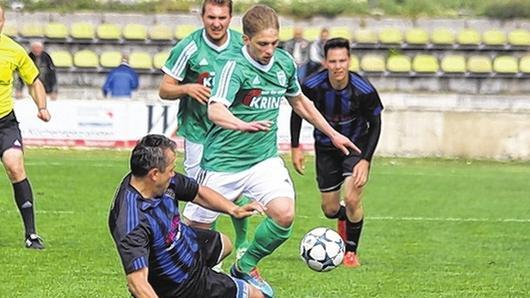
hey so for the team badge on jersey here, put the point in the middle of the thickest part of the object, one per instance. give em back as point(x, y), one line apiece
point(282, 78)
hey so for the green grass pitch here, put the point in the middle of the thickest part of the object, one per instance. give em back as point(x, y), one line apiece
point(433, 228)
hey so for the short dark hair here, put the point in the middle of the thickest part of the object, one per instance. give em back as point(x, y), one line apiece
point(149, 154)
point(336, 43)
point(216, 2)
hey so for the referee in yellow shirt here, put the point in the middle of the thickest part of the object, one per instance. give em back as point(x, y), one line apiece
point(14, 58)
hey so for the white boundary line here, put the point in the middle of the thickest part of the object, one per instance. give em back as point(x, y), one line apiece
point(60, 212)
point(442, 219)
point(375, 218)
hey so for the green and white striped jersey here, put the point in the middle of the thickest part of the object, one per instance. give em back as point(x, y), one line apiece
point(192, 60)
point(252, 92)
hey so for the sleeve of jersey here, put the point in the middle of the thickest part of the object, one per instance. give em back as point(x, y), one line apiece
point(371, 104)
point(296, 122)
point(27, 70)
point(371, 108)
point(185, 188)
point(132, 239)
point(226, 83)
point(293, 88)
point(178, 60)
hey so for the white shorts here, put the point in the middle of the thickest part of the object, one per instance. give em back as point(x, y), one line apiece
point(192, 158)
point(263, 182)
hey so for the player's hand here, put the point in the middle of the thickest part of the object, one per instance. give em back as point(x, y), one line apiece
point(199, 92)
point(255, 126)
point(44, 115)
point(344, 144)
point(297, 155)
point(360, 173)
point(248, 210)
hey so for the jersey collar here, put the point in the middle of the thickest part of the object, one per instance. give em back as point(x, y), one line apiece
point(255, 63)
point(214, 46)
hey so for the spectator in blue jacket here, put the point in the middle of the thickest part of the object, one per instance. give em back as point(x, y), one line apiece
point(121, 81)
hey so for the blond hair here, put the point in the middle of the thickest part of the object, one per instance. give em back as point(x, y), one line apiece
point(258, 18)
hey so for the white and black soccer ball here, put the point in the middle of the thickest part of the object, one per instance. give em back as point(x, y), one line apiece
point(322, 249)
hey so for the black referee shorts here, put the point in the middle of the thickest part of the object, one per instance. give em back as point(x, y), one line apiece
point(10, 136)
point(332, 166)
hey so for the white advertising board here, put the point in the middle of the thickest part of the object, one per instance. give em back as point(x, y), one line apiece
point(116, 124)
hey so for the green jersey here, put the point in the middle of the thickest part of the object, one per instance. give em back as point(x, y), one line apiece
point(192, 60)
point(252, 92)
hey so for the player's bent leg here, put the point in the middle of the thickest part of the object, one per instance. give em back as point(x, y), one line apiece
point(330, 204)
point(354, 222)
point(13, 160)
point(352, 198)
point(192, 158)
point(241, 228)
point(227, 247)
point(254, 292)
point(281, 210)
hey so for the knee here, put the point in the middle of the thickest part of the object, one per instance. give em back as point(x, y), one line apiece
point(16, 172)
point(330, 210)
point(281, 211)
point(353, 200)
point(285, 219)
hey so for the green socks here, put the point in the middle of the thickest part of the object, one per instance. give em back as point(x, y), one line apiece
point(269, 236)
point(241, 225)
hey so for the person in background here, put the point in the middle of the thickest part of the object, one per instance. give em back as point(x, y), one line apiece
point(298, 47)
point(188, 76)
point(121, 81)
point(47, 73)
point(316, 53)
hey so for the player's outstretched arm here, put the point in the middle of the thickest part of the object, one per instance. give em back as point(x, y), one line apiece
point(212, 200)
point(172, 89)
point(219, 114)
point(37, 92)
point(138, 284)
point(306, 109)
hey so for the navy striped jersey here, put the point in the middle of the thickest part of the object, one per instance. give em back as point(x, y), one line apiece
point(348, 110)
point(149, 233)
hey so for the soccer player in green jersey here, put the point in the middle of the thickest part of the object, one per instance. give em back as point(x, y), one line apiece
point(188, 75)
point(240, 153)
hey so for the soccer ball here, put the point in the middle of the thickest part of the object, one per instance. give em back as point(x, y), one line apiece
point(322, 249)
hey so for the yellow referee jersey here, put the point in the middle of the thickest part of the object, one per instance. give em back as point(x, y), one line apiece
point(13, 58)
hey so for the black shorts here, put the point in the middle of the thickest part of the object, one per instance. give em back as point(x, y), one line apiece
point(333, 166)
point(211, 284)
point(10, 136)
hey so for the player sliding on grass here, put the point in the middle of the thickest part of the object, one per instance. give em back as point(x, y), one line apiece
point(188, 76)
point(161, 255)
point(240, 153)
point(352, 106)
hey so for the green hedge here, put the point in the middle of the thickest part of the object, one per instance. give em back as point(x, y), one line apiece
point(303, 9)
